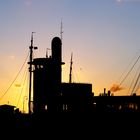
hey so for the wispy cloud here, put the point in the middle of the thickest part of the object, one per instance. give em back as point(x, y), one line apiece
point(12, 57)
point(28, 3)
point(17, 85)
point(120, 1)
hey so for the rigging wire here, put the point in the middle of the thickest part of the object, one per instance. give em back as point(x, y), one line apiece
point(135, 83)
point(15, 77)
point(138, 87)
point(22, 88)
point(23, 81)
point(130, 70)
point(131, 85)
point(126, 69)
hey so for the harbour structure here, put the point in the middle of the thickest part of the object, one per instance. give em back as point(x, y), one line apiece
point(49, 93)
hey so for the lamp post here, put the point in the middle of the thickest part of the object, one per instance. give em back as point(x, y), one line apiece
point(24, 99)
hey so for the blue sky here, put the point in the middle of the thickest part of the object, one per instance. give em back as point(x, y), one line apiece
point(102, 34)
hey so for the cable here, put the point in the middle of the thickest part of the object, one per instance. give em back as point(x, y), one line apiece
point(14, 78)
point(136, 75)
point(23, 78)
point(119, 79)
point(131, 85)
point(22, 89)
point(129, 71)
point(138, 87)
point(135, 83)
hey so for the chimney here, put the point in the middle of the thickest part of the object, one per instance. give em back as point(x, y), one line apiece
point(104, 91)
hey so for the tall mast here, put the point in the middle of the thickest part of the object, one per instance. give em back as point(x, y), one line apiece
point(61, 30)
point(70, 75)
point(30, 72)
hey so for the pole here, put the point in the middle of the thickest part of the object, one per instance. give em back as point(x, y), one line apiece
point(24, 99)
point(70, 75)
point(30, 72)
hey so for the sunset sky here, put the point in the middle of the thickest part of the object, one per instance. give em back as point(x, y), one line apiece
point(104, 36)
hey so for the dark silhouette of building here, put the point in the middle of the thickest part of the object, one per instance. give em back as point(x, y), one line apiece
point(77, 97)
point(7, 109)
point(49, 93)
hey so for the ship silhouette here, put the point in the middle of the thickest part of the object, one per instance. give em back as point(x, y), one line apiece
point(51, 95)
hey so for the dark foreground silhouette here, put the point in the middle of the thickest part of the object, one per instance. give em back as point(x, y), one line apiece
point(65, 107)
point(12, 119)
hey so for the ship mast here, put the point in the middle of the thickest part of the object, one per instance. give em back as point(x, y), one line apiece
point(30, 71)
point(70, 75)
point(61, 30)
